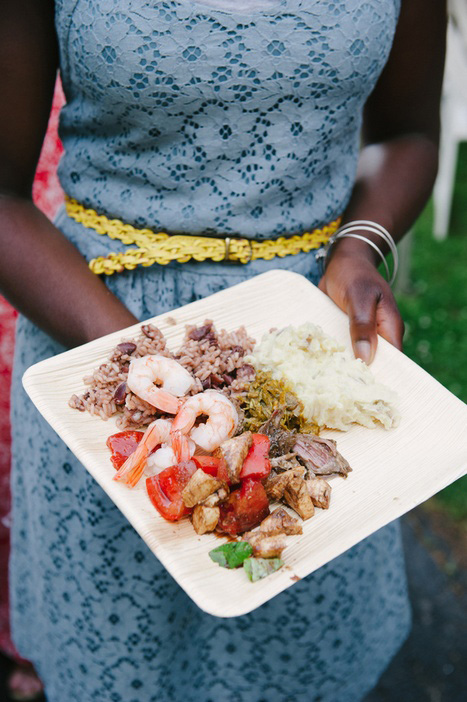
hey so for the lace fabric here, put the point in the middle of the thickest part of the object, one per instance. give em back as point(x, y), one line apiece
point(189, 118)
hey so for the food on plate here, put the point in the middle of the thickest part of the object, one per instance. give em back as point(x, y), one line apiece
point(256, 464)
point(235, 555)
point(122, 445)
point(259, 551)
point(265, 545)
point(280, 522)
point(320, 455)
point(320, 492)
point(200, 486)
point(297, 496)
point(215, 359)
point(258, 568)
point(159, 380)
point(159, 436)
point(276, 483)
point(219, 423)
point(230, 432)
point(264, 394)
point(244, 508)
point(231, 555)
point(336, 389)
point(165, 490)
point(233, 453)
point(205, 518)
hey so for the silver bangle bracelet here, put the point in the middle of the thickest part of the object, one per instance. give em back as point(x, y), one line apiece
point(351, 229)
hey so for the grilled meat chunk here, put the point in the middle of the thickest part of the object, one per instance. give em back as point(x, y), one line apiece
point(297, 496)
point(319, 491)
point(205, 519)
point(282, 441)
point(321, 455)
point(265, 545)
point(234, 452)
point(280, 522)
point(216, 497)
point(285, 462)
point(276, 484)
point(240, 414)
point(200, 486)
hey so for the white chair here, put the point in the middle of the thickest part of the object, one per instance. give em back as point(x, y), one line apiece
point(453, 115)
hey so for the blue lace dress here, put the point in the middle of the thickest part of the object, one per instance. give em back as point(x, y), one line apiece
point(234, 118)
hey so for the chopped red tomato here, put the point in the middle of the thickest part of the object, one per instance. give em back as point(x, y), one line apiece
point(244, 509)
point(165, 490)
point(210, 464)
point(123, 445)
point(222, 472)
point(256, 464)
point(213, 465)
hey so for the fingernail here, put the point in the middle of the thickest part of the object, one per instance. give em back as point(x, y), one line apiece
point(363, 350)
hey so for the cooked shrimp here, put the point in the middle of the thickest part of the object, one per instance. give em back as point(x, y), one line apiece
point(169, 454)
point(158, 432)
point(222, 419)
point(159, 381)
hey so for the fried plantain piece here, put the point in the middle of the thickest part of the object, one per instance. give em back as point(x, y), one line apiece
point(199, 487)
point(319, 491)
point(204, 519)
point(280, 522)
point(234, 452)
point(297, 496)
point(265, 545)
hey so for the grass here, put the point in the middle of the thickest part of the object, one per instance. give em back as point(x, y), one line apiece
point(435, 312)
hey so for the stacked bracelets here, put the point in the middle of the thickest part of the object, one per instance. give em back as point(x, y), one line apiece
point(350, 229)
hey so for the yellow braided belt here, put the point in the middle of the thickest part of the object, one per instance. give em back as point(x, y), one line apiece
point(162, 248)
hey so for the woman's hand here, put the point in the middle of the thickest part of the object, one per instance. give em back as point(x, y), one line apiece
point(352, 281)
point(396, 172)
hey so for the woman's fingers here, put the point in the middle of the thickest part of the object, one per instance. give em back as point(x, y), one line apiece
point(389, 322)
point(361, 310)
point(372, 310)
point(357, 288)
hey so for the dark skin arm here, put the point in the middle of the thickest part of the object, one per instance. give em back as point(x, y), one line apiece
point(396, 172)
point(41, 272)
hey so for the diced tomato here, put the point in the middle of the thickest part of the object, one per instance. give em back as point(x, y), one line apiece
point(222, 472)
point(256, 464)
point(123, 445)
point(165, 490)
point(210, 464)
point(169, 509)
point(213, 465)
point(244, 509)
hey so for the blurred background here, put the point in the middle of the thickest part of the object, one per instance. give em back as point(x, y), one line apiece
point(431, 291)
point(432, 295)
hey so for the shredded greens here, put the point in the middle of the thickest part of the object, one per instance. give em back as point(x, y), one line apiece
point(264, 395)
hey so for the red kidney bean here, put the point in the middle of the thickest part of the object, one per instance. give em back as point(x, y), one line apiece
point(126, 347)
point(120, 394)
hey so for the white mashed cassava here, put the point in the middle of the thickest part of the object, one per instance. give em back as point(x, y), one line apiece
point(335, 388)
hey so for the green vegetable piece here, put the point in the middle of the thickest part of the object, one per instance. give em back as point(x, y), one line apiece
point(231, 555)
point(257, 568)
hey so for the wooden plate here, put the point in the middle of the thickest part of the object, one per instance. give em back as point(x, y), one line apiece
point(393, 471)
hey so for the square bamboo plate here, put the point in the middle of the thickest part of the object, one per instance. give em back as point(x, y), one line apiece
point(393, 471)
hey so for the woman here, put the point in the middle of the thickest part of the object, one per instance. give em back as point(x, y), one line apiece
point(214, 118)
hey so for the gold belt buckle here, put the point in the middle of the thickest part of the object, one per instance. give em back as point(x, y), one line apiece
point(227, 244)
